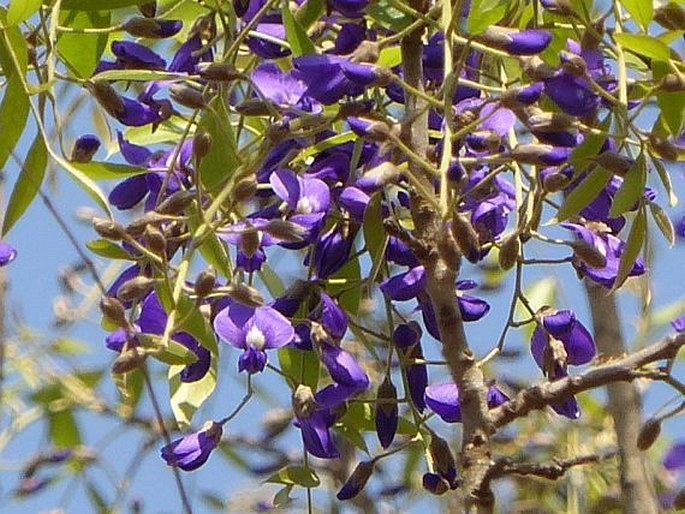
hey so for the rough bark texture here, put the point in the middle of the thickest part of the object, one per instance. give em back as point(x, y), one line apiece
point(624, 405)
point(441, 259)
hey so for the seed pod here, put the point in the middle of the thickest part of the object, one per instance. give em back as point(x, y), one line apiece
point(555, 182)
point(155, 240)
point(358, 479)
point(589, 254)
point(466, 237)
point(614, 162)
point(113, 310)
point(648, 434)
point(187, 96)
point(176, 203)
point(128, 360)
point(135, 289)
point(202, 144)
point(138, 226)
point(247, 295)
point(285, 230)
point(509, 251)
point(303, 401)
point(109, 229)
point(106, 96)
point(204, 283)
point(245, 189)
point(148, 9)
point(219, 72)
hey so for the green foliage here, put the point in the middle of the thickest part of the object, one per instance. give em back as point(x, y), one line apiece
point(82, 52)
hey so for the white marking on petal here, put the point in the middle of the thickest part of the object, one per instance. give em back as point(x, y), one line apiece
point(304, 206)
point(255, 338)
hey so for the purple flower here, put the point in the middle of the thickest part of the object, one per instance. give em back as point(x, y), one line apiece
point(387, 411)
point(192, 451)
point(678, 324)
point(332, 250)
point(680, 227)
point(675, 458)
point(307, 198)
point(190, 54)
point(562, 326)
point(354, 201)
point(134, 55)
point(407, 339)
point(7, 253)
point(85, 147)
point(405, 286)
point(344, 370)
point(253, 330)
point(443, 399)
point(525, 42)
point(572, 94)
point(332, 317)
point(611, 247)
point(283, 89)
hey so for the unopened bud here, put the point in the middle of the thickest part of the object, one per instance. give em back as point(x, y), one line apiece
point(589, 254)
point(106, 96)
point(204, 283)
point(148, 9)
point(466, 237)
point(541, 155)
point(443, 460)
point(304, 403)
point(246, 295)
point(673, 83)
point(202, 144)
point(379, 175)
point(176, 203)
point(135, 289)
point(550, 122)
point(536, 68)
point(435, 484)
point(664, 149)
point(109, 229)
point(219, 71)
point(379, 131)
point(670, 16)
point(648, 434)
point(253, 107)
point(249, 242)
point(84, 148)
point(138, 225)
point(187, 96)
point(614, 162)
point(573, 64)
point(285, 230)
point(113, 310)
point(366, 52)
point(151, 28)
point(127, 361)
point(156, 241)
point(245, 189)
point(555, 182)
point(358, 479)
point(509, 251)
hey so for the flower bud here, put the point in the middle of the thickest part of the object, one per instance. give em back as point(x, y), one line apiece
point(435, 484)
point(176, 203)
point(202, 144)
point(135, 289)
point(148, 9)
point(509, 251)
point(563, 7)
point(358, 479)
point(649, 433)
point(536, 68)
point(670, 16)
point(109, 229)
point(285, 230)
point(443, 460)
point(525, 42)
point(219, 72)
point(151, 28)
point(366, 52)
point(614, 162)
point(204, 283)
point(113, 310)
point(84, 148)
point(106, 96)
point(156, 241)
point(128, 361)
point(249, 242)
point(673, 83)
point(303, 401)
point(550, 122)
point(573, 64)
point(386, 412)
point(542, 155)
point(246, 295)
point(138, 225)
point(187, 96)
point(378, 176)
point(466, 237)
point(589, 254)
point(245, 189)
point(664, 149)
point(253, 107)
point(555, 182)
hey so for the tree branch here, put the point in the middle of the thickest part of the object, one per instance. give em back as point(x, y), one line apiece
point(553, 470)
point(625, 369)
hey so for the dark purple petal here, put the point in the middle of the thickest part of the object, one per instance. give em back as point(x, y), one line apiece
point(405, 286)
point(528, 42)
point(134, 55)
point(332, 251)
point(332, 317)
point(317, 437)
point(407, 338)
point(571, 94)
point(568, 408)
point(354, 201)
point(152, 318)
point(343, 368)
point(134, 154)
point(198, 369)
point(386, 415)
point(675, 458)
point(85, 147)
point(252, 361)
point(678, 324)
point(472, 308)
point(128, 193)
point(443, 399)
point(7, 253)
point(192, 451)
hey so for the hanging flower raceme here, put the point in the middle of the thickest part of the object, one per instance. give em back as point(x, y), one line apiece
point(192, 451)
point(443, 399)
point(253, 330)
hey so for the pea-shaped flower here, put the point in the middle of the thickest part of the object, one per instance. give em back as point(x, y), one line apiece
point(192, 451)
point(253, 330)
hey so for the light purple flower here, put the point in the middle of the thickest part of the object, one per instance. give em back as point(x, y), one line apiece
point(565, 327)
point(675, 458)
point(7, 253)
point(443, 399)
point(342, 367)
point(253, 330)
point(192, 451)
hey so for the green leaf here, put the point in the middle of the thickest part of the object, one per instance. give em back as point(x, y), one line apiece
point(282, 497)
point(211, 248)
point(484, 13)
point(28, 183)
point(69, 346)
point(14, 109)
point(295, 475)
point(96, 5)
point(353, 435)
point(584, 193)
point(175, 354)
point(634, 243)
point(374, 233)
point(631, 189)
point(139, 75)
point(301, 366)
point(107, 249)
point(97, 499)
point(300, 44)
point(309, 12)
point(388, 16)
point(20, 10)
point(82, 52)
point(390, 56)
point(592, 144)
point(167, 132)
point(219, 164)
point(663, 221)
point(84, 181)
point(642, 11)
point(63, 430)
point(644, 45)
point(665, 178)
point(346, 284)
point(671, 103)
point(271, 280)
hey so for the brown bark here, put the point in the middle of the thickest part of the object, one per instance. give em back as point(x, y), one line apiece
point(637, 494)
